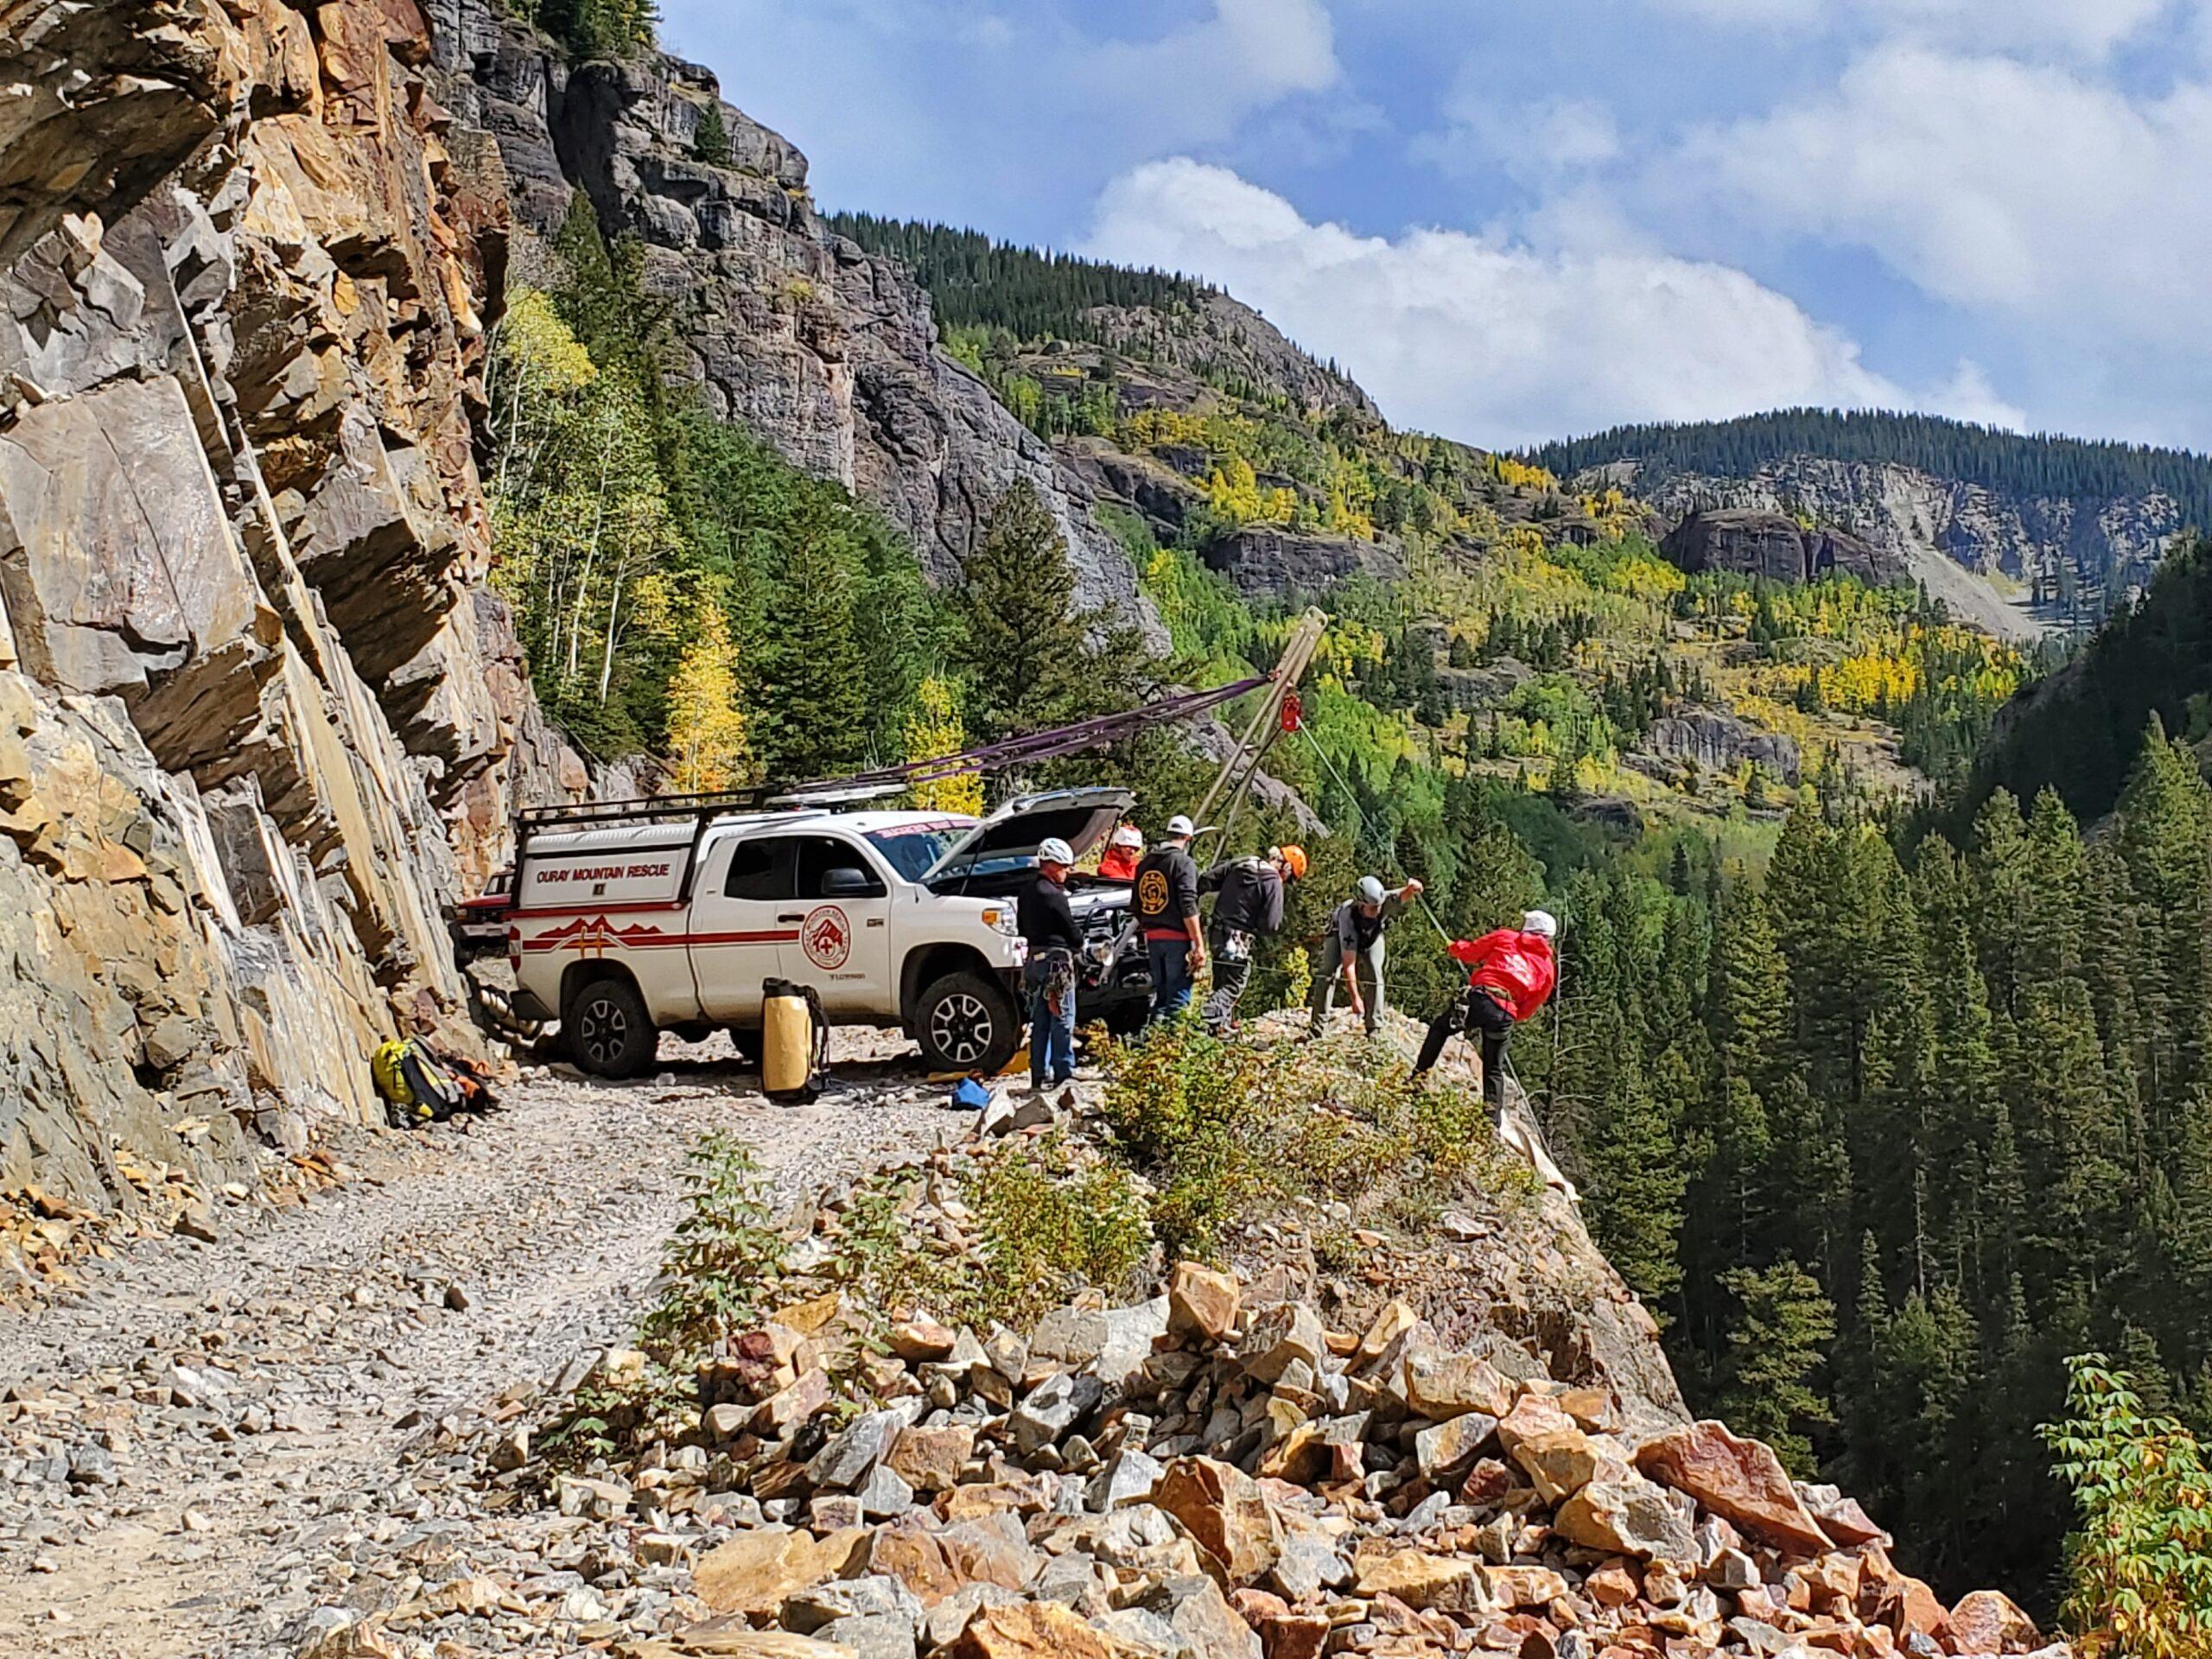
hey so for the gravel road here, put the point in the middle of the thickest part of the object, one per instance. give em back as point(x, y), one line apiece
point(192, 1450)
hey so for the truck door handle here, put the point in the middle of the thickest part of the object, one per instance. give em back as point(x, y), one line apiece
point(792, 916)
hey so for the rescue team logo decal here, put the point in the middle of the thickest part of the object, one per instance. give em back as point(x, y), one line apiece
point(827, 937)
point(1152, 892)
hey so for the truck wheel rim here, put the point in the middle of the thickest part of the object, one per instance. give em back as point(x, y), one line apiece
point(960, 1028)
point(604, 1031)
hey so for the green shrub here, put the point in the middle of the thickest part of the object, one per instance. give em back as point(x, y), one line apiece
point(723, 1262)
point(1053, 1222)
point(2139, 1562)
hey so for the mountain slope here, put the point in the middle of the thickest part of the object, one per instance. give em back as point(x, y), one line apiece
point(2065, 523)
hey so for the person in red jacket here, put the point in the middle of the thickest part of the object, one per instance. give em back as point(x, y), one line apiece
point(1515, 972)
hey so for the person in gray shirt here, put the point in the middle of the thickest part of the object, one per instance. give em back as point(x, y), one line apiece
point(1355, 936)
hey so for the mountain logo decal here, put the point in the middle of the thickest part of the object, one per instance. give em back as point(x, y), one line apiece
point(826, 936)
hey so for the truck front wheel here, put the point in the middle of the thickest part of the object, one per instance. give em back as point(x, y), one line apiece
point(609, 1033)
point(966, 1023)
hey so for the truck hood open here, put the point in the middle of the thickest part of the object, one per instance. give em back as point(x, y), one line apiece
point(1010, 837)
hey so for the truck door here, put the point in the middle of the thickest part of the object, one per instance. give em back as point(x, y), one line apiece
point(843, 944)
point(744, 910)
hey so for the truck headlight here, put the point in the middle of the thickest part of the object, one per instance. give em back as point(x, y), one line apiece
point(1003, 921)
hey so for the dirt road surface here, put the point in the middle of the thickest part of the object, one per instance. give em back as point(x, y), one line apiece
point(191, 1451)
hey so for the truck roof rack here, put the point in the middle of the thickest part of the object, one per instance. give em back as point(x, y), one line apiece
point(593, 815)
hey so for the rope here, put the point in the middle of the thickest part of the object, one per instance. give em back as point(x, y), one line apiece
point(1353, 796)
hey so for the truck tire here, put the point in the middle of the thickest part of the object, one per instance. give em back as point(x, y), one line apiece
point(609, 1033)
point(966, 1022)
point(750, 1042)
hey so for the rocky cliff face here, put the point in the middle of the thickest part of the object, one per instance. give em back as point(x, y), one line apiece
point(256, 721)
point(1755, 542)
point(827, 352)
point(1906, 512)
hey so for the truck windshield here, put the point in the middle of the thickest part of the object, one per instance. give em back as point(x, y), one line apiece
point(912, 847)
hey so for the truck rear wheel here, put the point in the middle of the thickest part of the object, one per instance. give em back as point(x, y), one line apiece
point(609, 1033)
point(966, 1022)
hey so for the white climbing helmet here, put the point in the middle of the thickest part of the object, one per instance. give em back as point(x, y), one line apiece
point(1541, 923)
point(1181, 826)
point(1370, 890)
point(1053, 850)
point(1128, 835)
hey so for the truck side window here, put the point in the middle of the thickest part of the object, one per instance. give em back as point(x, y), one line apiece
point(819, 855)
point(763, 868)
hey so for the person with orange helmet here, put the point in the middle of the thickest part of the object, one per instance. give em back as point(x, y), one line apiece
point(1248, 907)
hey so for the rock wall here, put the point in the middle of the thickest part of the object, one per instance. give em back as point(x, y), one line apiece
point(1905, 511)
point(257, 722)
point(827, 352)
point(1756, 543)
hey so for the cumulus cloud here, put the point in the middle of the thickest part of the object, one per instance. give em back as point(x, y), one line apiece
point(1493, 340)
point(2087, 28)
point(1990, 182)
point(1535, 142)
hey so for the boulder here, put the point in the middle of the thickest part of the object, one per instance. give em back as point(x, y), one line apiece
point(931, 1460)
point(1223, 1509)
point(1280, 1336)
point(1038, 1630)
point(935, 1564)
point(1626, 1516)
point(757, 1571)
point(1738, 1478)
point(1202, 1303)
point(1417, 1577)
point(1445, 1385)
point(1564, 1460)
point(1986, 1622)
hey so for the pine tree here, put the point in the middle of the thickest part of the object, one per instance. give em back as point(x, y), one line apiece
point(707, 734)
point(1777, 1347)
point(1023, 648)
point(814, 711)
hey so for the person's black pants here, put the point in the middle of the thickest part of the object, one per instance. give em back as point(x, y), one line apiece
point(1485, 1020)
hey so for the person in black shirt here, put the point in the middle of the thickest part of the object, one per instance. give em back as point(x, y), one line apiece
point(1042, 914)
point(1355, 937)
point(1167, 914)
point(1249, 909)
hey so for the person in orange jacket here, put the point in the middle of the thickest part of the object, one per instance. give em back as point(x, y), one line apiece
point(1516, 970)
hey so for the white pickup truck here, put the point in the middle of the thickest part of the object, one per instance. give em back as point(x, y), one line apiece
point(636, 918)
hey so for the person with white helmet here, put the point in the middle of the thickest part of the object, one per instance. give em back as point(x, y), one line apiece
point(1167, 915)
point(1122, 852)
point(1045, 921)
point(1354, 937)
point(1515, 972)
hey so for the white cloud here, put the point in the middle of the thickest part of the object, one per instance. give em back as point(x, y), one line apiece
point(1492, 341)
point(1989, 183)
point(1535, 142)
point(1248, 54)
point(2087, 28)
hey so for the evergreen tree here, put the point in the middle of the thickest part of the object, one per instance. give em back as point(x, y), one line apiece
point(1022, 647)
point(814, 681)
point(1777, 1348)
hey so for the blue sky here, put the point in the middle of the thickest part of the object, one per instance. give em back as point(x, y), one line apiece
point(1519, 220)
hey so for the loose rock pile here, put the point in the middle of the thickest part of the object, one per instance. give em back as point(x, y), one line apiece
point(1191, 1478)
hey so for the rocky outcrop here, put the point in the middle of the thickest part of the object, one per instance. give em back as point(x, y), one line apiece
point(1754, 543)
point(2050, 543)
point(1227, 342)
point(1265, 559)
point(256, 722)
point(1715, 742)
point(827, 352)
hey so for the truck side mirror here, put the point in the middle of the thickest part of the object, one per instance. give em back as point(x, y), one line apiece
point(847, 882)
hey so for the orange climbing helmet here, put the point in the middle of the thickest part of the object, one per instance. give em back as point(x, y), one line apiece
point(1293, 860)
